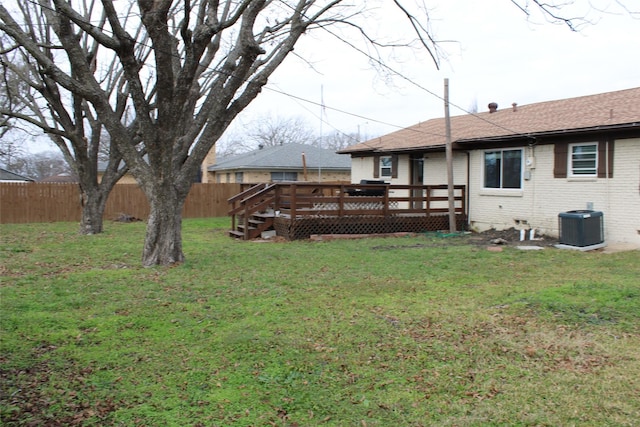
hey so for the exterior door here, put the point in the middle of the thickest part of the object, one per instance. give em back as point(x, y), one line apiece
point(417, 178)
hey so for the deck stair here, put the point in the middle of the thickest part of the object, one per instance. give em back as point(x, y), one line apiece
point(252, 212)
point(254, 226)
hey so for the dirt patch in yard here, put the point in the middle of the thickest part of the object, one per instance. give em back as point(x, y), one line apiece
point(509, 237)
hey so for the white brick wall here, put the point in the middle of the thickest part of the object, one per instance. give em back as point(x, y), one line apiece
point(361, 168)
point(543, 197)
point(435, 169)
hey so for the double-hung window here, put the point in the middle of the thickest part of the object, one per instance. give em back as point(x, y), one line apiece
point(583, 159)
point(386, 163)
point(284, 176)
point(503, 169)
point(590, 159)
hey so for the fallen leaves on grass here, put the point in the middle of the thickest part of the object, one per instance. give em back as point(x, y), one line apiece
point(30, 397)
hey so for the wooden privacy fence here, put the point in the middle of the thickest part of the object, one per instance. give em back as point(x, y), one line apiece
point(53, 202)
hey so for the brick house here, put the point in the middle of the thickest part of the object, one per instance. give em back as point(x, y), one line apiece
point(524, 165)
point(285, 162)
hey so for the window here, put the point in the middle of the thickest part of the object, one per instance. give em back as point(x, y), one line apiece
point(503, 169)
point(284, 176)
point(385, 166)
point(583, 159)
point(239, 177)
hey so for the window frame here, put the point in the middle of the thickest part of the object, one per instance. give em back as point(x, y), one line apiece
point(283, 174)
point(385, 167)
point(570, 160)
point(501, 171)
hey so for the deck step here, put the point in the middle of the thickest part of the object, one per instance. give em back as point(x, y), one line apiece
point(241, 227)
point(264, 215)
point(237, 234)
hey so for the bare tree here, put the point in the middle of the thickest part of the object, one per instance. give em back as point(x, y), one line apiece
point(8, 86)
point(46, 164)
point(63, 115)
point(269, 130)
point(338, 140)
point(185, 68)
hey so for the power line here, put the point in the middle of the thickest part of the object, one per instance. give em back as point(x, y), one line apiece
point(357, 49)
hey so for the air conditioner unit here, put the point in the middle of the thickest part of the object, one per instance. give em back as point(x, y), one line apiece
point(581, 228)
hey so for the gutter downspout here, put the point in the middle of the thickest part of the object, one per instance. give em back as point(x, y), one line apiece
point(607, 182)
point(468, 190)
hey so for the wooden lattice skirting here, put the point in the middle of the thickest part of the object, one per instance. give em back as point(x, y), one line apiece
point(304, 227)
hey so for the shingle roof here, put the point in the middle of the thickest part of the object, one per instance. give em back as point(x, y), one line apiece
point(611, 109)
point(62, 177)
point(285, 157)
point(6, 175)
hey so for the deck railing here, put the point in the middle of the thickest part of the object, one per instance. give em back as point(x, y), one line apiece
point(297, 199)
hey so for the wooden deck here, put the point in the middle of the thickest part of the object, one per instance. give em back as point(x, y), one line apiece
point(297, 210)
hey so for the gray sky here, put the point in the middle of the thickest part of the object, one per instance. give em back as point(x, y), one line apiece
point(493, 53)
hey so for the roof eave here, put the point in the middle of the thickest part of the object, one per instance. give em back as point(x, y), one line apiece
point(553, 133)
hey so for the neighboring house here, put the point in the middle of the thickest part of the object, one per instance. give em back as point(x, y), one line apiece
point(524, 165)
point(64, 177)
point(127, 178)
point(8, 176)
point(286, 162)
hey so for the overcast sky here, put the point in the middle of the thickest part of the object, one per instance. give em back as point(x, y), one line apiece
point(493, 53)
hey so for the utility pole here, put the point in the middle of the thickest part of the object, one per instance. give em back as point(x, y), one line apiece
point(449, 154)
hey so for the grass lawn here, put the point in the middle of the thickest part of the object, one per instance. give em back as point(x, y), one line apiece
point(411, 331)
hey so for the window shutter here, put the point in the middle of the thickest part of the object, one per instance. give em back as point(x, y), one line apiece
point(605, 159)
point(602, 156)
point(560, 150)
point(394, 166)
point(611, 145)
point(376, 166)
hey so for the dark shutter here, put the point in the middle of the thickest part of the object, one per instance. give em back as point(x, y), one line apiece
point(602, 163)
point(611, 145)
point(376, 166)
point(560, 150)
point(605, 159)
point(394, 166)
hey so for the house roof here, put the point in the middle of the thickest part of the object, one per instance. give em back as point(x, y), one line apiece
point(62, 177)
point(284, 157)
point(6, 175)
point(611, 110)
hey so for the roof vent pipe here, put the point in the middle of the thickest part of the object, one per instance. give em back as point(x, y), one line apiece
point(515, 106)
point(493, 107)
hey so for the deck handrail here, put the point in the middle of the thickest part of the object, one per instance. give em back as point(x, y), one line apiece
point(297, 199)
point(248, 202)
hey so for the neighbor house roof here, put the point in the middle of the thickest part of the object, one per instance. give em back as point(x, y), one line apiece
point(284, 157)
point(6, 175)
point(62, 177)
point(611, 110)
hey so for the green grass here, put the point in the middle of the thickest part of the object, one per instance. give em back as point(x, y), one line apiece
point(410, 331)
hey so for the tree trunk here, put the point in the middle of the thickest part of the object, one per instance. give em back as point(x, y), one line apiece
point(163, 241)
point(93, 205)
